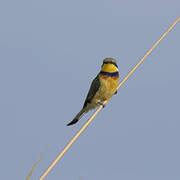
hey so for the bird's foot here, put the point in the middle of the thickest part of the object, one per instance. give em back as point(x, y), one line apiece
point(102, 104)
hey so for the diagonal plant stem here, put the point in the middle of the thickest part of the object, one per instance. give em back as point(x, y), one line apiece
point(30, 173)
point(46, 172)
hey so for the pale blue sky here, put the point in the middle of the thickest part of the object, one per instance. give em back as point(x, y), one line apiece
point(49, 53)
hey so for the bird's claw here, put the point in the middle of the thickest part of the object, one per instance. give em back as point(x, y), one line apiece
point(102, 104)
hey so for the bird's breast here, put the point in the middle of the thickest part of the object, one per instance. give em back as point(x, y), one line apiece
point(108, 85)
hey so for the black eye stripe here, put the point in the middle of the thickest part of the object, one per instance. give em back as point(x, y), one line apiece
point(111, 63)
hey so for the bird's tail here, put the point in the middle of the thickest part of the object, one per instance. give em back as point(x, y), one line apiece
point(76, 119)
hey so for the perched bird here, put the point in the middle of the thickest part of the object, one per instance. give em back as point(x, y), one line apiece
point(102, 87)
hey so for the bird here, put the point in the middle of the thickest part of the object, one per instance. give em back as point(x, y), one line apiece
point(102, 88)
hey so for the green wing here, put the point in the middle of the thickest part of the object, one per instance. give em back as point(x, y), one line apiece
point(92, 91)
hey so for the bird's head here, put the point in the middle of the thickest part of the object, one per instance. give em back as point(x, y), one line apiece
point(109, 65)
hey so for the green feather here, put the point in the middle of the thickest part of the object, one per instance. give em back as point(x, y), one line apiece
point(92, 91)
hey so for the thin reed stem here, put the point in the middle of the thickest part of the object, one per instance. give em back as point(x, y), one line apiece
point(46, 172)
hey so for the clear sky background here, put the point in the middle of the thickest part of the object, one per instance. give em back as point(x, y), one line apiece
point(50, 51)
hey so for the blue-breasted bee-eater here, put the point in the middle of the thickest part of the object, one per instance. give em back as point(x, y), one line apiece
point(102, 88)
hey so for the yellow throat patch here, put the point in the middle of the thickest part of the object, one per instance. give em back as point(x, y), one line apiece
point(109, 68)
